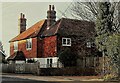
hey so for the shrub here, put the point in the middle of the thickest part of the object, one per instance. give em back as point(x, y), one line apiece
point(67, 58)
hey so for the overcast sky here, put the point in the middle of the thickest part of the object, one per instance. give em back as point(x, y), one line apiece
point(34, 12)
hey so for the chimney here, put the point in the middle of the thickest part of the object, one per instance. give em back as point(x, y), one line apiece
point(22, 23)
point(51, 16)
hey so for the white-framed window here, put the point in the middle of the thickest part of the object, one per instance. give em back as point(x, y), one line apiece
point(66, 41)
point(88, 44)
point(29, 44)
point(15, 46)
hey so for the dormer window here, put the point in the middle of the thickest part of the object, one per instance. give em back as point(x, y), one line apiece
point(15, 46)
point(29, 44)
point(66, 41)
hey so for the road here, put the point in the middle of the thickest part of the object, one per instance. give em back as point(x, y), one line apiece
point(19, 80)
point(15, 78)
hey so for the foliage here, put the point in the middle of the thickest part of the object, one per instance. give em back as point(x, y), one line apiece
point(108, 77)
point(67, 58)
point(30, 61)
point(113, 51)
point(107, 40)
point(90, 11)
point(103, 25)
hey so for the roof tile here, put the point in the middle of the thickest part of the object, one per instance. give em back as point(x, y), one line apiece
point(30, 32)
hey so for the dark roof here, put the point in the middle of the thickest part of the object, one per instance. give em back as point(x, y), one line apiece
point(30, 32)
point(67, 26)
point(63, 26)
point(19, 55)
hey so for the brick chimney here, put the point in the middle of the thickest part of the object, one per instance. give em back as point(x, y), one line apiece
point(22, 23)
point(51, 16)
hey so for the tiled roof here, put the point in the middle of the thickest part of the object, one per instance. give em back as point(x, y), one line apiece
point(19, 55)
point(53, 29)
point(67, 26)
point(30, 32)
point(64, 26)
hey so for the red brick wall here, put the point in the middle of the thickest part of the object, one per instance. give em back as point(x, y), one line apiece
point(46, 47)
point(50, 46)
point(39, 48)
point(22, 47)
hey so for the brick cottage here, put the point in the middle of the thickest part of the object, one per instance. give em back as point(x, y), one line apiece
point(45, 39)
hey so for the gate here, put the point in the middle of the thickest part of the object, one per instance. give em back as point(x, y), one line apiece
point(20, 68)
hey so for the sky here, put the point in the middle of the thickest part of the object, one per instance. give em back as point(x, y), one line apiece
point(34, 12)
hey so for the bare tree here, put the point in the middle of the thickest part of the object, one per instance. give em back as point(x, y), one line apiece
point(89, 11)
point(1, 46)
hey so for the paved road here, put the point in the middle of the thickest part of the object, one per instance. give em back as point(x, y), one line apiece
point(19, 80)
point(6, 79)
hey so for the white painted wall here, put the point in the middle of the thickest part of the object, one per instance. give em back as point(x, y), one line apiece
point(19, 62)
point(43, 62)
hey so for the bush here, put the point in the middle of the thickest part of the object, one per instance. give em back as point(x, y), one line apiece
point(30, 61)
point(67, 58)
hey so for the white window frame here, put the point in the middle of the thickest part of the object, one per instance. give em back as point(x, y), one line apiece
point(29, 44)
point(15, 46)
point(66, 40)
point(88, 44)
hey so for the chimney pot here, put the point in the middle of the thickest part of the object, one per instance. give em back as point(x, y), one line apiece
point(53, 7)
point(49, 7)
point(21, 15)
point(51, 16)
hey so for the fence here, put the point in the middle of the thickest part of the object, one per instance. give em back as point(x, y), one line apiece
point(35, 68)
point(32, 68)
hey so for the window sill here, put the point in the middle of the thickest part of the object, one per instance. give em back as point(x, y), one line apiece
point(28, 48)
point(15, 50)
point(66, 45)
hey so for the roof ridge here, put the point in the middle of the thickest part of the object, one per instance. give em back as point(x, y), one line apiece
point(58, 25)
point(76, 19)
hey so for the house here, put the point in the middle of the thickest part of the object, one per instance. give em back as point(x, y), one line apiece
point(45, 39)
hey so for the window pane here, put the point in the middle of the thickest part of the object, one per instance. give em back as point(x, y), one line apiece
point(68, 41)
point(47, 62)
point(88, 44)
point(64, 41)
point(29, 43)
point(50, 62)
